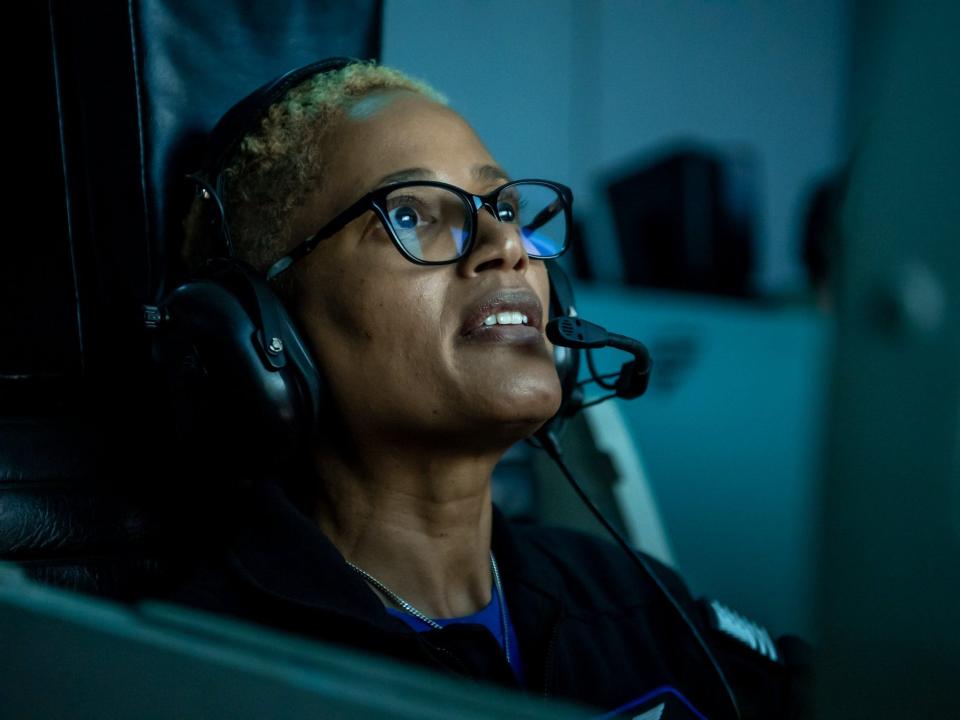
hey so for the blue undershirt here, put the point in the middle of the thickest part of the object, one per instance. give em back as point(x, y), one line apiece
point(489, 617)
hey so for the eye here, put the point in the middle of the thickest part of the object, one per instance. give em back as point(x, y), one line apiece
point(507, 211)
point(404, 217)
point(510, 205)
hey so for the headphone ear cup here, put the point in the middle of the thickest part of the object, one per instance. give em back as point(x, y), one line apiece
point(234, 385)
point(241, 376)
point(566, 359)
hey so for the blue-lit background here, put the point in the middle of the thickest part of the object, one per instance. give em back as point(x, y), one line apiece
point(729, 433)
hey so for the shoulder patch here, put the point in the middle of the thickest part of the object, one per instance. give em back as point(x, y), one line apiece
point(732, 624)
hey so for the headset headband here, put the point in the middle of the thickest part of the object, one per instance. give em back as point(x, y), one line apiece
point(242, 117)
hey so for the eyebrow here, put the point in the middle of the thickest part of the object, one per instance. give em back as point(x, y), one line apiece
point(481, 172)
point(489, 172)
point(408, 174)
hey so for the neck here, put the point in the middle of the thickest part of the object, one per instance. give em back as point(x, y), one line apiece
point(417, 521)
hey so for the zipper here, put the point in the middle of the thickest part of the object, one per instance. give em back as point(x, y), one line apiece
point(455, 665)
point(454, 658)
point(548, 665)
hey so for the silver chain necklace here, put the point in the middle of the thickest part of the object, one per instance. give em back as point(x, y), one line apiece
point(407, 607)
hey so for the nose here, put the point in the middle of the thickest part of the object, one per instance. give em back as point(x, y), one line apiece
point(498, 246)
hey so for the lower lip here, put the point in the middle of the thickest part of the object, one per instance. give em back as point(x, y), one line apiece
point(505, 334)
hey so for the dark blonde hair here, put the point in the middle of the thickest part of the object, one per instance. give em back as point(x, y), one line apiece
point(280, 163)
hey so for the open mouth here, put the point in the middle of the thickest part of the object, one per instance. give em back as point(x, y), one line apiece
point(508, 317)
point(507, 314)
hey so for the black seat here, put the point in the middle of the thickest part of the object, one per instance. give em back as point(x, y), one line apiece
point(115, 104)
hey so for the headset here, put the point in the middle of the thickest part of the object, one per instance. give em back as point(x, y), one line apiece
point(229, 346)
point(242, 375)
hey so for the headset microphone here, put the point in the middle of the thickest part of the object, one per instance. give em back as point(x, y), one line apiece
point(574, 332)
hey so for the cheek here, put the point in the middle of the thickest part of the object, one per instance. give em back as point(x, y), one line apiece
point(377, 322)
point(347, 311)
point(400, 316)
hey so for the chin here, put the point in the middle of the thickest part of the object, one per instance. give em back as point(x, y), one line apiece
point(526, 408)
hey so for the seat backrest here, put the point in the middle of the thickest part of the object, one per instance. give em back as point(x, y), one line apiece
point(116, 102)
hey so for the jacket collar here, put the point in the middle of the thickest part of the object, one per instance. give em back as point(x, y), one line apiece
point(284, 554)
point(520, 561)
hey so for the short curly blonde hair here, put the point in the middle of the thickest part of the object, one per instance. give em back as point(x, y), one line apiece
point(280, 163)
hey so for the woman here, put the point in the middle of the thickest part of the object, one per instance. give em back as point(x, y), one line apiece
point(422, 294)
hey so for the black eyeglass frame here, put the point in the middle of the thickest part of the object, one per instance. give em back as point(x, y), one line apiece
point(376, 199)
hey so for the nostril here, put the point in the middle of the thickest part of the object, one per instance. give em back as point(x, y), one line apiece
point(498, 246)
point(491, 264)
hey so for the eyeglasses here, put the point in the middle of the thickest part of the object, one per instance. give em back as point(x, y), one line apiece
point(434, 223)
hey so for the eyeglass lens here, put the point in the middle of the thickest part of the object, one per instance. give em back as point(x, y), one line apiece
point(434, 224)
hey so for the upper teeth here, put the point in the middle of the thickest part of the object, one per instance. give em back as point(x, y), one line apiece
point(506, 318)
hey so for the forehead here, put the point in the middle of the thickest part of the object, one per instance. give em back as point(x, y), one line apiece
point(387, 134)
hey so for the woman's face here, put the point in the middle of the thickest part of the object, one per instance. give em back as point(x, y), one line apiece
point(403, 346)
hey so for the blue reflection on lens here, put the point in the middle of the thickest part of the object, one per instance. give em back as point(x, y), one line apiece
point(412, 243)
point(460, 237)
point(537, 243)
